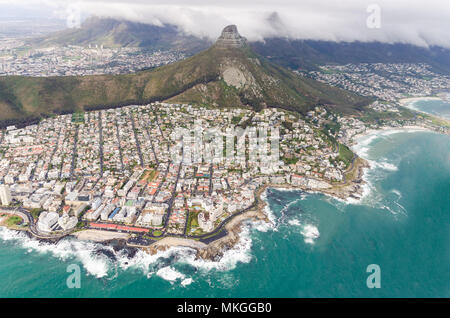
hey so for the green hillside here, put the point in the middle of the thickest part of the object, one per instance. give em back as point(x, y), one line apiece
point(220, 76)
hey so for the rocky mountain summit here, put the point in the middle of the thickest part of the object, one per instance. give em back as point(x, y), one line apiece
point(231, 38)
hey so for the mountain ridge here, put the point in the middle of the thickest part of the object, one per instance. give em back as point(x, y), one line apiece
point(228, 74)
point(291, 53)
point(307, 54)
point(122, 33)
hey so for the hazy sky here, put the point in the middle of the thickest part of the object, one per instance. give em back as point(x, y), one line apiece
point(421, 22)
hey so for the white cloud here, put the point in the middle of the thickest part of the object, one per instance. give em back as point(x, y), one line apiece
point(408, 21)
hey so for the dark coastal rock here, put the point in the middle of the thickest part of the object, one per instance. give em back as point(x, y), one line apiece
point(107, 253)
point(215, 250)
point(117, 246)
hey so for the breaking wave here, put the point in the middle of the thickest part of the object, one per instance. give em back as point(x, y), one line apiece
point(374, 196)
point(88, 254)
point(310, 233)
point(103, 261)
point(383, 164)
point(170, 274)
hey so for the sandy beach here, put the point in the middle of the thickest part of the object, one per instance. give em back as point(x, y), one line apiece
point(406, 101)
point(409, 103)
point(368, 132)
point(99, 236)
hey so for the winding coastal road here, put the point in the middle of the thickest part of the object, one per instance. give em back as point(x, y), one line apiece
point(32, 228)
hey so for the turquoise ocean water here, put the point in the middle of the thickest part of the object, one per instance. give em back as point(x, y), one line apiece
point(439, 108)
point(316, 246)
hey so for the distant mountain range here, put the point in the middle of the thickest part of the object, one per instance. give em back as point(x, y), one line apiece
point(304, 54)
point(121, 33)
point(228, 74)
point(308, 54)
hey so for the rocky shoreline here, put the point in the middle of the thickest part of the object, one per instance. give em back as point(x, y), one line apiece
point(213, 251)
point(352, 188)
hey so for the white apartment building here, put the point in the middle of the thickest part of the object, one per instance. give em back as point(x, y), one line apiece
point(5, 195)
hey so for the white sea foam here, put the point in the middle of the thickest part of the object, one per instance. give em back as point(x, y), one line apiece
point(383, 164)
point(270, 215)
point(8, 235)
point(286, 207)
point(186, 282)
point(378, 170)
point(362, 146)
point(310, 233)
point(240, 253)
point(401, 209)
point(397, 193)
point(85, 252)
point(146, 262)
point(170, 274)
point(363, 142)
point(264, 195)
point(98, 265)
point(263, 226)
point(294, 222)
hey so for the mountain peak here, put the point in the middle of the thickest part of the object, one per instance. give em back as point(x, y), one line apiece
point(231, 38)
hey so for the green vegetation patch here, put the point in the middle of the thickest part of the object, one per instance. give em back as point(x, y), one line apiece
point(36, 212)
point(236, 120)
point(14, 221)
point(78, 117)
point(345, 155)
point(192, 221)
point(290, 160)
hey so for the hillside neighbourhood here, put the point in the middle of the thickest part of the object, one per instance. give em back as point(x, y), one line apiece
point(76, 60)
point(114, 169)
